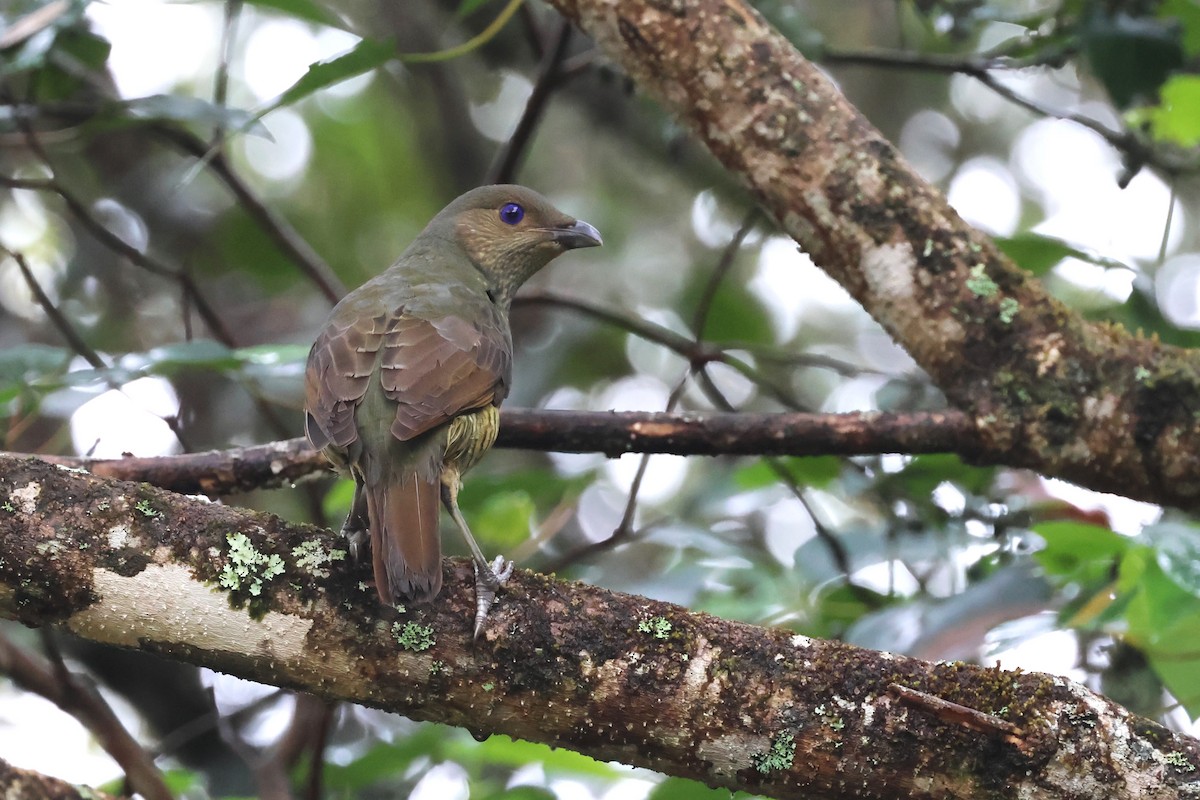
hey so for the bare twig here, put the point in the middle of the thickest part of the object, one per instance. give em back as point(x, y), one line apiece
point(704, 305)
point(504, 167)
point(82, 701)
point(74, 340)
point(118, 245)
point(983, 68)
point(277, 228)
point(52, 312)
point(233, 12)
point(697, 353)
point(624, 529)
point(958, 714)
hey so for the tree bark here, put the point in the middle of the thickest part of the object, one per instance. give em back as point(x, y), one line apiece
point(25, 784)
point(1045, 389)
point(614, 676)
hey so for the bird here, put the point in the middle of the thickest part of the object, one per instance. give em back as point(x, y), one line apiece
point(405, 379)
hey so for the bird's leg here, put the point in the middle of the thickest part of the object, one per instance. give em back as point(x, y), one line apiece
point(488, 577)
point(356, 525)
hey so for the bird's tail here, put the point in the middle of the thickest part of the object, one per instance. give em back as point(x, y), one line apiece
point(406, 551)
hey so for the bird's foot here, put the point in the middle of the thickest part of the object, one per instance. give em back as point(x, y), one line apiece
point(488, 580)
point(356, 540)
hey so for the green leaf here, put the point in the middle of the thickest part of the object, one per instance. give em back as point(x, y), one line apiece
point(1164, 622)
point(468, 7)
point(1073, 547)
point(192, 110)
point(21, 365)
point(1174, 657)
point(272, 354)
point(685, 789)
point(1187, 13)
point(506, 751)
point(1176, 118)
point(505, 518)
point(1132, 56)
point(304, 10)
point(738, 317)
point(525, 793)
point(30, 38)
point(1157, 600)
point(814, 471)
point(1178, 553)
point(1037, 253)
point(170, 358)
point(336, 503)
point(386, 761)
point(542, 485)
point(924, 473)
point(363, 57)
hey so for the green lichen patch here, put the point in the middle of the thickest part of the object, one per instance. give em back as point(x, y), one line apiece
point(312, 557)
point(144, 508)
point(412, 636)
point(980, 283)
point(248, 569)
point(1009, 307)
point(658, 627)
point(780, 756)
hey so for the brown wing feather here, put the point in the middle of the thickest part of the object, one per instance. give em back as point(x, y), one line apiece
point(336, 377)
point(435, 370)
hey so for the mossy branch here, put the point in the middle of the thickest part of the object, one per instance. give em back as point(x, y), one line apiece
point(1044, 389)
point(614, 676)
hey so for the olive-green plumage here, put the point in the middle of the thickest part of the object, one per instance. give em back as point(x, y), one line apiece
point(404, 381)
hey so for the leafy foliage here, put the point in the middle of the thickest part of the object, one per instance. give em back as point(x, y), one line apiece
point(222, 311)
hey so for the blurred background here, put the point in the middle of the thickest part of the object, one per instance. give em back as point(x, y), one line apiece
point(189, 186)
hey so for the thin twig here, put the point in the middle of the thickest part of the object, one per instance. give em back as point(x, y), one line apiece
point(505, 165)
point(837, 551)
point(958, 714)
point(294, 246)
point(704, 305)
point(624, 529)
point(233, 11)
point(66, 690)
point(76, 342)
point(698, 354)
point(118, 245)
point(52, 312)
point(1136, 151)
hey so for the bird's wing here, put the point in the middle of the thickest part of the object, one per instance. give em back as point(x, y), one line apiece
point(432, 369)
point(436, 369)
point(336, 377)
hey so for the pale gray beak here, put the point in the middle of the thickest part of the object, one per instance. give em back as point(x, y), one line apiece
point(577, 234)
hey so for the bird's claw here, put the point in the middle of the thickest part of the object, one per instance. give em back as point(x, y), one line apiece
point(356, 539)
point(488, 580)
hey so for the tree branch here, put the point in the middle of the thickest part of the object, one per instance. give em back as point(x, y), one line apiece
point(611, 675)
point(222, 472)
point(83, 702)
point(26, 784)
point(1044, 388)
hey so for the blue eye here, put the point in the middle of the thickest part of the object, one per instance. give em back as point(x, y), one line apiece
point(511, 213)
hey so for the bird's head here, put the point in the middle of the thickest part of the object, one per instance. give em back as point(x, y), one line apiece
point(510, 232)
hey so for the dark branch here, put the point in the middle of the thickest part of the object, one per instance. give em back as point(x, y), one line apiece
point(615, 676)
point(83, 702)
point(220, 472)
